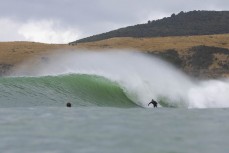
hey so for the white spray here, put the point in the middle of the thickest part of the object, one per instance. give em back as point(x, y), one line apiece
point(142, 77)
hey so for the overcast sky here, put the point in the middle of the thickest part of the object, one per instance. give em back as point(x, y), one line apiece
point(62, 21)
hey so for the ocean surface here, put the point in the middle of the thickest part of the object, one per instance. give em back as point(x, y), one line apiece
point(110, 92)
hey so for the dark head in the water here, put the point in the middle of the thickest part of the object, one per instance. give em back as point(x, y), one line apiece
point(69, 105)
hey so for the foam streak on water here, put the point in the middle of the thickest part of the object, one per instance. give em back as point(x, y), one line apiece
point(142, 77)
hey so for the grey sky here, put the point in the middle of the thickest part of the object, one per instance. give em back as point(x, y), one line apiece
point(88, 17)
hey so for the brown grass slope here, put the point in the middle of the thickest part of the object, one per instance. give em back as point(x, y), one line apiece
point(181, 51)
point(159, 43)
point(201, 56)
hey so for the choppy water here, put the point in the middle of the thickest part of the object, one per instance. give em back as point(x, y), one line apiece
point(110, 93)
point(103, 129)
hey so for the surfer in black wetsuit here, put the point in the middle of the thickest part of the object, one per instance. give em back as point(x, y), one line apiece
point(154, 103)
point(69, 105)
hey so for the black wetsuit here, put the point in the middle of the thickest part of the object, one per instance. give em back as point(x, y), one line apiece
point(153, 102)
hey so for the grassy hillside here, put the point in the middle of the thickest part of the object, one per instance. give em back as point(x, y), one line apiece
point(201, 56)
point(160, 43)
point(14, 53)
point(205, 55)
point(182, 24)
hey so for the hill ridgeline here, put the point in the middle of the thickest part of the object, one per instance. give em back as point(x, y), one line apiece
point(182, 24)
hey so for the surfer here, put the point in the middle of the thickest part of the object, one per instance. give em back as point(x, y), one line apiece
point(154, 103)
point(69, 104)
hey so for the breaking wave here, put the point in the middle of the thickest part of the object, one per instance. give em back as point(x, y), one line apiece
point(111, 78)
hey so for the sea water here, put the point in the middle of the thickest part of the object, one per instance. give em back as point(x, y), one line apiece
point(106, 129)
point(110, 92)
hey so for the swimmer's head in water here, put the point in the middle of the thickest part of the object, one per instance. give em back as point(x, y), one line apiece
point(69, 105)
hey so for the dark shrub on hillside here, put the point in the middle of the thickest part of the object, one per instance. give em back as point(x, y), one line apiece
point(202, 56)
point(171, 56)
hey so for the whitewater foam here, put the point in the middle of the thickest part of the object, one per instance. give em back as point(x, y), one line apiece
point(142, 77)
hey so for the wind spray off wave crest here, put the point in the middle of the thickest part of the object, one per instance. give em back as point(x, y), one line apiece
point(141, 76)
point(209, 94)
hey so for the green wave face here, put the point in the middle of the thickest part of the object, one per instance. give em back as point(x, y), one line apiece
point(80, 90)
